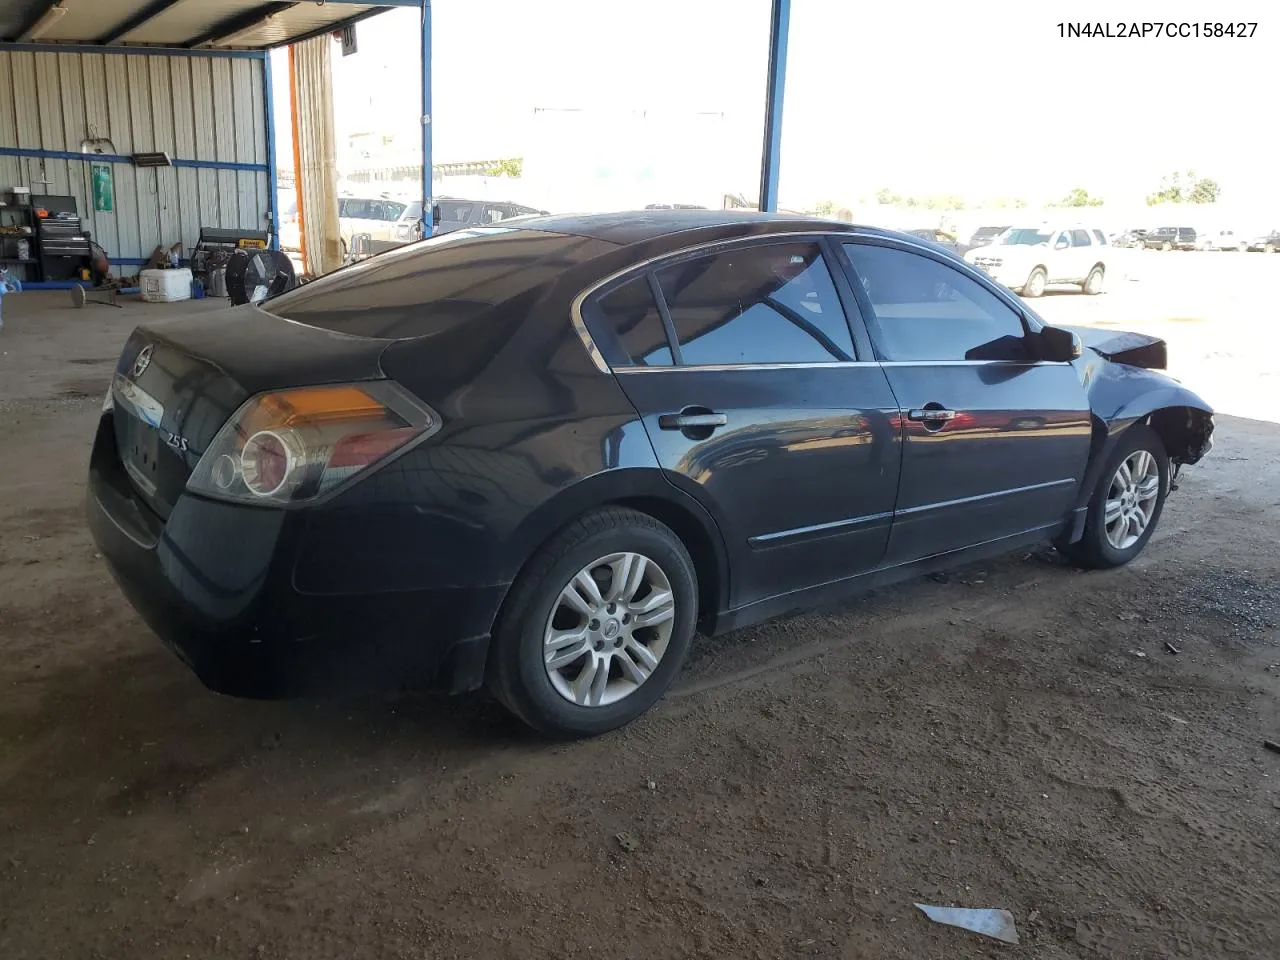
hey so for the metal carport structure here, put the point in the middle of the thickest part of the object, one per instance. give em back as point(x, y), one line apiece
point(67, 39)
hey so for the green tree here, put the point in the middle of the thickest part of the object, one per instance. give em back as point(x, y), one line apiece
point(1204, 190)
point(1186, 187)
point(1079, 197)
point(825, 208)
point(512, 167)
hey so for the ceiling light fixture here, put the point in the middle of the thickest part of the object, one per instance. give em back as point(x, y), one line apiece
point(44, 24)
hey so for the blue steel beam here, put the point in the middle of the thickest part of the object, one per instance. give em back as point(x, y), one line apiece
point(138, 51)
point(145, 15)
point(273, 176)
point(779, 28)
point(427, 187)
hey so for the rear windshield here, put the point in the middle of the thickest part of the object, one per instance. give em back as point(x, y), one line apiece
point(456, 211)
point(430, 286)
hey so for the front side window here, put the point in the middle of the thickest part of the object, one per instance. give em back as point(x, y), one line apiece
point(929, 311)
point(1100, 237)
point(771, 303)
point(630, 315)
point(1080, 238)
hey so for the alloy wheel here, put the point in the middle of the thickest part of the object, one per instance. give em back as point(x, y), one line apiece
point(1131, 500)
point(609, 629)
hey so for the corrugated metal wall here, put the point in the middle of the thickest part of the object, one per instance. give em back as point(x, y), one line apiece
point(194, 108)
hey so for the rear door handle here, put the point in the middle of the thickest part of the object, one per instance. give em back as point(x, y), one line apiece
point(685, 421)
point(931, 415)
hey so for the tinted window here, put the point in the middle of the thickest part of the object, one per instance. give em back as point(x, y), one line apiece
point(1097, 235)
point(1080, 238)
point(630, 314)
point(428, 287)
point(773, 303)
point(455, 211)
point(927, 310)
point(1025, 238)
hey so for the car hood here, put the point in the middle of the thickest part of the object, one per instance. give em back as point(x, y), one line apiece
point(1122, 346)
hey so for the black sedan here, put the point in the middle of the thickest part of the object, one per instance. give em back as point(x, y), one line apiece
point(539, 456)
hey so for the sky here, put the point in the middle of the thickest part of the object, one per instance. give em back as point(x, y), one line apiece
point(977, 99)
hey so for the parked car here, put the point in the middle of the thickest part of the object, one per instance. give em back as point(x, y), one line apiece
point(538, 458)
point(375, 216)
point(1170, 238)
point(1267, 242)
point(1028, 259)
point(1221, 240)
point(985, 235)
point(1128, 238)
point(942, 238)
point(454, 213)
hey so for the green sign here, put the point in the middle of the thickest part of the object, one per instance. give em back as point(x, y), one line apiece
point(103, 187)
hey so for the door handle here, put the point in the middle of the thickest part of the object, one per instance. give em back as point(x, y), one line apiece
point(931, 415)
point(686, 421)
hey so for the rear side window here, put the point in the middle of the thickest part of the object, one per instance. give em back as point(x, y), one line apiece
point(1099, 236)
point(772, 303)
point(1080, 238)
point(928, 311)
point(630, 315)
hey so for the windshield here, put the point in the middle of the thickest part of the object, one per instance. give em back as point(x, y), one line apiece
point(1024, 237)
point(433, 285)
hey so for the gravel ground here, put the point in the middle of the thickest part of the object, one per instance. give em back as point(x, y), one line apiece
point(1016, 734)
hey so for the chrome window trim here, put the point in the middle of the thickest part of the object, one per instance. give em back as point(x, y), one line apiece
point(722, 367)
point(593, 351)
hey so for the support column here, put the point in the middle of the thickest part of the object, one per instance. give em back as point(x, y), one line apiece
point(427, 186)
point(779, 27)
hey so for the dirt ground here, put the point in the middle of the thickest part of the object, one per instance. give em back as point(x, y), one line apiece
point(1016, 734)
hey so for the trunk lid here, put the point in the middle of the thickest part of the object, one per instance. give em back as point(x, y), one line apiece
point(177, 382)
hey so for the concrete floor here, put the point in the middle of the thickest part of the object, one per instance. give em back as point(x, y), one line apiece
point(1016, 734)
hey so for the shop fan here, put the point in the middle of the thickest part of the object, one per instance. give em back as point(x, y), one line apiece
point(255, 275)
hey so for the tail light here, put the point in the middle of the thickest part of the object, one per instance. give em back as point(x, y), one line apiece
point(295, 445)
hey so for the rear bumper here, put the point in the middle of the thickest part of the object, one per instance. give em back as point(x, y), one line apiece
point(215, 581)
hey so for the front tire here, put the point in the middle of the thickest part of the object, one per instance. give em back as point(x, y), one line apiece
point(1036, 282)
point(1126, 504)
point(1166, 246)
point(1093, 283)
point(596, 626)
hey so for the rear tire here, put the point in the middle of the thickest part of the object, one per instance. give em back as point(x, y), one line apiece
point(532, 669)
point(1036, 282)
point(1104, 543)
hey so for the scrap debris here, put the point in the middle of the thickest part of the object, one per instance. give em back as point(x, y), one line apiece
point(997, 924)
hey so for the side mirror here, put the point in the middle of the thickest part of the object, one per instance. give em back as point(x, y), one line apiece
point(1057, 345)
point(435, 216)
point(1061, 245)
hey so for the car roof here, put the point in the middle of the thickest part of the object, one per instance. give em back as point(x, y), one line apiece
point(638, 226)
